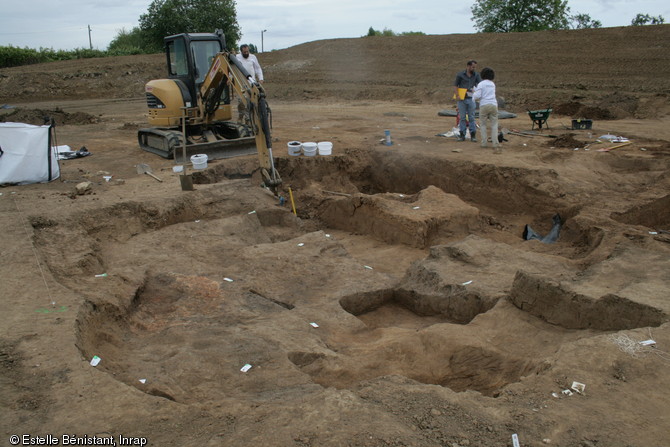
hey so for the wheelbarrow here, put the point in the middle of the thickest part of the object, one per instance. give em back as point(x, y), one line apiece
point(540, 117)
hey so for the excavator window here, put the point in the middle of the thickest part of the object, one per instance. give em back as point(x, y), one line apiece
point(177, 54)
point(203, 53)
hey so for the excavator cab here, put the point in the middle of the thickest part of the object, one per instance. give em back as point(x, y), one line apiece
point(189, 57)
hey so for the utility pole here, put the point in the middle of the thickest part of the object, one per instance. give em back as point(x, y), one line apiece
point(262, 48)
point(90, 44)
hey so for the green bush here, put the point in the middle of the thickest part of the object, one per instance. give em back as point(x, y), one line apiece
point(127, 42)
point(388, 32)
point(11, 56)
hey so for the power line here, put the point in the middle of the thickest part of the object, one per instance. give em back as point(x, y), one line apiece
point(71, 28)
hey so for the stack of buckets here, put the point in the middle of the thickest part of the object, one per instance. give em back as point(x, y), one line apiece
point(310, 149)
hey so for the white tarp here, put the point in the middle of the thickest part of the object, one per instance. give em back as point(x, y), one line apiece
point(26, 154)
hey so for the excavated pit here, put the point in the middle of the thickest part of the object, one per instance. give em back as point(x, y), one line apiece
point(380, 308)
point(422, 201)
point(200, 286)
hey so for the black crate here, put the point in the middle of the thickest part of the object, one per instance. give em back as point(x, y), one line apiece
point(582, 124)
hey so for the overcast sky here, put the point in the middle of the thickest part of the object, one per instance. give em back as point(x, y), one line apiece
point(63, 24)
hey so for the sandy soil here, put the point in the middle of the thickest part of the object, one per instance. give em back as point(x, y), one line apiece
point(438, 324)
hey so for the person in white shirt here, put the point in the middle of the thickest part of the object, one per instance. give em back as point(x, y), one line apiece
point(251, 64)
point(485, 93)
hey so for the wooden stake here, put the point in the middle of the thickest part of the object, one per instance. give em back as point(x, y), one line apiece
point(607, 149)
point(336, 193)
point(290, 193)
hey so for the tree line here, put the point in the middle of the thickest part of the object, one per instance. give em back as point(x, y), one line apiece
point(507, 16)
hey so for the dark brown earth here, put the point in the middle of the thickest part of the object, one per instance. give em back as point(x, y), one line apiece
point(438, 324)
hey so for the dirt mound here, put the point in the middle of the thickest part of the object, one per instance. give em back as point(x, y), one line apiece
point(111, 77)
point(566, 140)
point(39, 117)
point(377, 68)
point(578, 110)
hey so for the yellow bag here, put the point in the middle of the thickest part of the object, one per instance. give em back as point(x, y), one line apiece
point(461, 94)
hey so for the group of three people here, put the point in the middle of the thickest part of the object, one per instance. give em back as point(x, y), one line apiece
point(469, 87)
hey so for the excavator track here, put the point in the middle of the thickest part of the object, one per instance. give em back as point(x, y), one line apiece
point(168, 143)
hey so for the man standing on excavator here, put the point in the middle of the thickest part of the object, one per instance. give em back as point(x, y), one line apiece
point(250, 63)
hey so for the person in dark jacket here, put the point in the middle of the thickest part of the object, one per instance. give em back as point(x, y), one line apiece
point(464, 86)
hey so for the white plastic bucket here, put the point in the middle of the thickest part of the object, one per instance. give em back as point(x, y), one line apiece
point(199, 161)
point(325, 147)
point(294, 148)
point(309, 149)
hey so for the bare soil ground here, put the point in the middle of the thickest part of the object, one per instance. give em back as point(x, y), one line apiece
point(438, 324)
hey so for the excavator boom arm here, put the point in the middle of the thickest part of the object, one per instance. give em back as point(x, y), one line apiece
point(227, 70)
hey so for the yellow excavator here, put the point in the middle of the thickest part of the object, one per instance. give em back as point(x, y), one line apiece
point(190, 112)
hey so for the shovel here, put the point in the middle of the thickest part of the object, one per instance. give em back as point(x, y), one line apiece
point(185, 179)
point(144, 168)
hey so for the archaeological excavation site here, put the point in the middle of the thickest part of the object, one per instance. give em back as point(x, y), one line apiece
point(422, 293)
